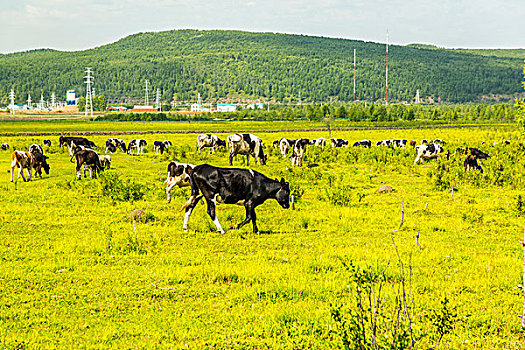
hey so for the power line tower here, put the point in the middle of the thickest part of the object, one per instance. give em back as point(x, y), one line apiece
point(146, 98)
point(29, 101)
point(42, 104)
point(199, 98)
point(12, 105)
point(53, 100)
point(417, 97)
point(157, 100)
point(89, 91)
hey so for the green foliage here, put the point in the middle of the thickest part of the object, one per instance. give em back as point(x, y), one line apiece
point(114, 187)
point(226, 65)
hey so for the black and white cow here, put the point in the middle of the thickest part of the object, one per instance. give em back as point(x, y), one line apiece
point(110, 147)
point(233, 186)
point(207, 140)
point(75, 141)
point(399, 143)
point(384, 143)
point(5, 146)
point(178, 175)
point(299, 148)
point(427, 152)
point(105, 161)
point(40, 163)
point(167, 144)
point(120, 143)
point(89, 158)
point(478, 154)
point(471, 162)
point(47, 143)
point(338, 142)
point(364, 143)
point(320, 142)
point(275, 144)
point(136, 144)
point(246, 144)
point(36, 148)
point(158, 146)
point(285, 145)
point(440, 141)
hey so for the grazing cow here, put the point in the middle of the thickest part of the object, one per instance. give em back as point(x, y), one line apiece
point(285, 145)
point(233, 186)
point(89, 158)
point(424, 142)
point(399, 143)
point(439, 141)
point(472, 162)
point(426, 152)
point(478, 154)
point(105, 161)
point(364, 143)
point(110, 147)
point(40, 162)
point(299, 148)
point(167, 144)
point(178, 175)
point(384, 143)
point(506, 142)
point(413, 143)
point(22, 160)
point(120, 144)
point(36, 148)
point(338, 143)
point(47, 143)
point(72, 141)
point(207, 140)
point(246, 144)
point(275, 144)
point(136, 144)
point(158, 146)
point(320, 142)
point(5, 146)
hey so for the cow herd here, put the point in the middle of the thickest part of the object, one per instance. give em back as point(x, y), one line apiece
point(219, 185)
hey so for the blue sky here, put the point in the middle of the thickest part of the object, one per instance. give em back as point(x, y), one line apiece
point(77, 25)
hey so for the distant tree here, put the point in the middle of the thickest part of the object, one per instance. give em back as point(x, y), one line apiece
point(520, 105)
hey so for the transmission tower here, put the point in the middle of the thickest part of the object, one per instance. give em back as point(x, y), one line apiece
point(146, 99)
point(157, 100)
point(29, 101)
point(199, 98)
point(53, 100)
point(417, 96)
point(12, 106)
point(89, 100)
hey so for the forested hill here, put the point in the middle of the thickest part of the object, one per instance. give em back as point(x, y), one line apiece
point(267, 66)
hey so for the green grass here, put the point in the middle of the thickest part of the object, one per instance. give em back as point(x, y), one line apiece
point(76, 272)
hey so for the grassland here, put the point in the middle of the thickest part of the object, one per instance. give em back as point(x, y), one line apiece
point(77, 272)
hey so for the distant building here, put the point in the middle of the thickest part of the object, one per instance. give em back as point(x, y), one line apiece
point(226, 107)
point(196, 107)
point(255, 105)
point(70, 98)
point(142, 109)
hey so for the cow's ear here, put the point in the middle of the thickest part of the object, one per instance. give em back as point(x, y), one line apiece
point(189, 169)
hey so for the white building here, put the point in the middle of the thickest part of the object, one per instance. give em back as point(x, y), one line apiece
point(226, 107)
point(196, 107)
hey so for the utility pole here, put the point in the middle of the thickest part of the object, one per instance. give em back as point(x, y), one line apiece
point(146, 99)
point(29, 101)
point(157, 100)
point(12, 97)
point(89, 91)
point(53, 100)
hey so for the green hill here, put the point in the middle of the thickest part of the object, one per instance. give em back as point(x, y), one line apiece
point(269, 66)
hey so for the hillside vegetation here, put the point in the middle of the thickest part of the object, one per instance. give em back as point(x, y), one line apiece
point(223, 65)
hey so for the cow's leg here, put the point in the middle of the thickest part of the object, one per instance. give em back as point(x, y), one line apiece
point(79, 175)
point(247, 160)
point(189, 209)
point(213, 215)
point(249, 216)
point(29, 172)
point(21, 172)
point(169, 185)
point(231, 158)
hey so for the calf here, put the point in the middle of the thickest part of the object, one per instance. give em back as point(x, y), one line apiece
point(399, 143)
point(36, 148)
point(285, 145)
point(158, 146)
point(246, 144)
point(298, 151)
point(478, 154)
point(178, 175)
point(364, 143)
point(22, 160)
point(427, 152)
point(136, 144)
point(105, 161)
point(472, 162)
point(47, 143)
point(207, 140)
point(110, 147)
point(338, 142)
point(89, 158)
point(167, 144)
point(5, 146)
point(233, 186)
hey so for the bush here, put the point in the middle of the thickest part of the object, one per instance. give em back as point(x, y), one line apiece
point(114, 187)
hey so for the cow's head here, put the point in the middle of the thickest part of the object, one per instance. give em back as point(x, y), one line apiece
point(264, 158)
point(221, 143)
point(44, 164)
point(283, 194)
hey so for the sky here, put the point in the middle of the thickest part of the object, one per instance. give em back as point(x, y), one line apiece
point(72, 25)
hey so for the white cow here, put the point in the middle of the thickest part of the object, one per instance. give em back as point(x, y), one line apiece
point(178, 175)
point(427, 152)
point(246, 144)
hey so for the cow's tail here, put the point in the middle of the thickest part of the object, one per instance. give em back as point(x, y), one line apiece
point(194, 194)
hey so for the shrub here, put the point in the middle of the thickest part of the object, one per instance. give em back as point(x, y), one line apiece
point(114, 187)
